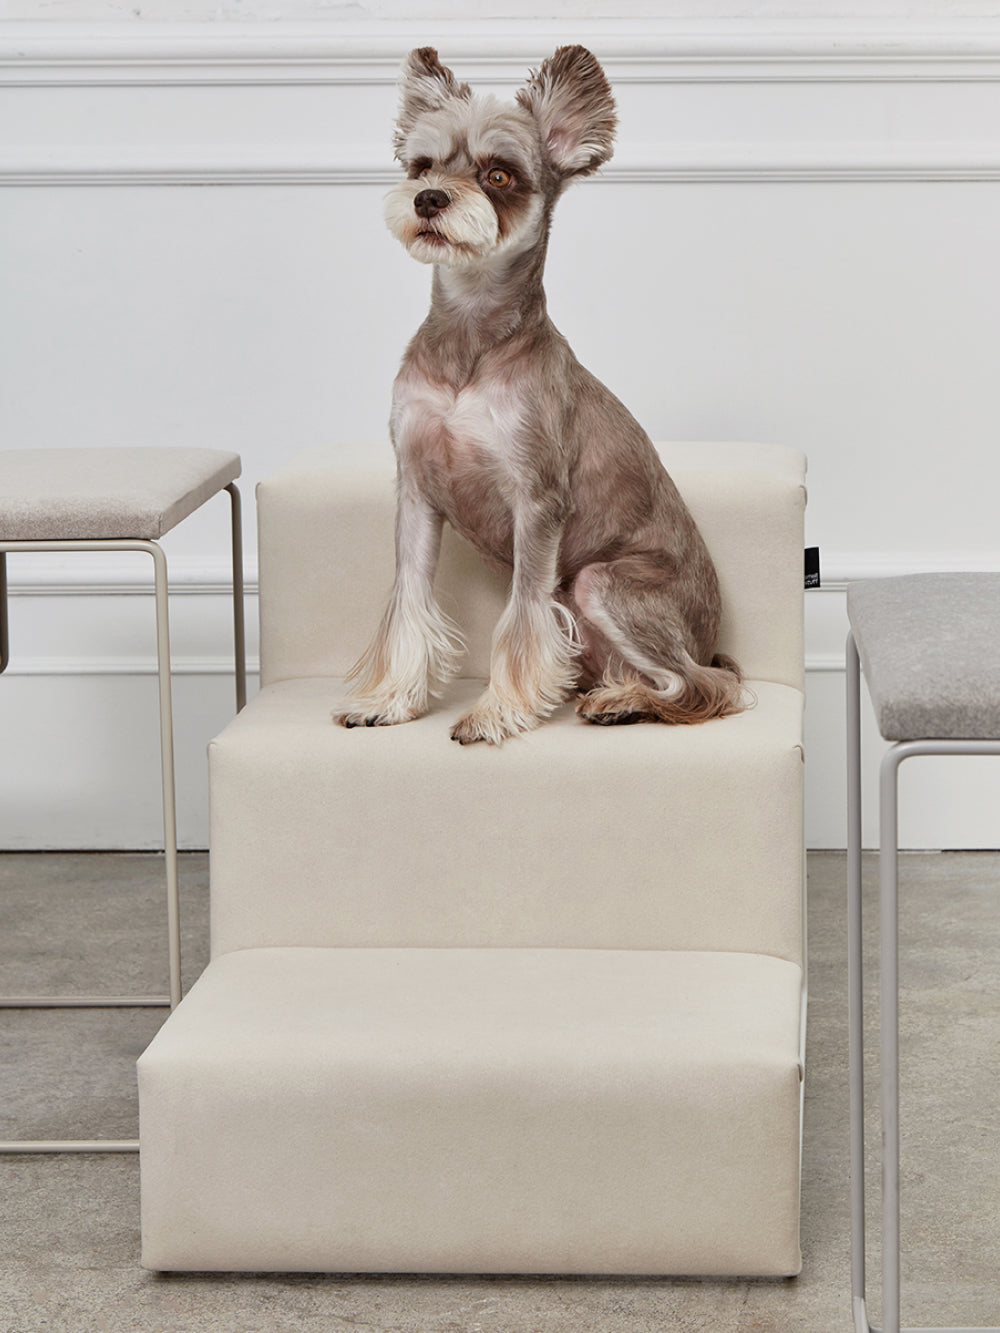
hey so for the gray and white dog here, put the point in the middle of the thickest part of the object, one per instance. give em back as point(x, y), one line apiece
point(499, 429)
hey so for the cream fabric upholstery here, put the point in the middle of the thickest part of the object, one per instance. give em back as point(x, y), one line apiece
point(515, 1110)
point(106, 494)
point(624, 837)
point(329, 538)
point(530, 1009)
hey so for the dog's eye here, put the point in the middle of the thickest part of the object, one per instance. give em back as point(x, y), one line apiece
point(499, 178)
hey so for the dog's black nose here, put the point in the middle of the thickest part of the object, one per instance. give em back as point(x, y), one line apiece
point(429, 203)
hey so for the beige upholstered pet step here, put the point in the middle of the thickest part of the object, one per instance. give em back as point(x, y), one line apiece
point(477, 1110)
point(535, 1008)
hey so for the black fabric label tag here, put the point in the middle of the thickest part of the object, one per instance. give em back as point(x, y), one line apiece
point(812, 567)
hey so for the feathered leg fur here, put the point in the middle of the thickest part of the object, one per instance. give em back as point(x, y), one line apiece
point(416, 647)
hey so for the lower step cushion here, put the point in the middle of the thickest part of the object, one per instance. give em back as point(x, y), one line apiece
point(571, 836)
point(476, 1110)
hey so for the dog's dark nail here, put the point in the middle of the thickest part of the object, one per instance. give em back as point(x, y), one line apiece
point(612, 719)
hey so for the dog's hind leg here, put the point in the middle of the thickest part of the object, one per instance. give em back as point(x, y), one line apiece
point(648, 636)
point(416, 646)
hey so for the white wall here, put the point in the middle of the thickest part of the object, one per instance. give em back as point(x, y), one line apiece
point(795, 242)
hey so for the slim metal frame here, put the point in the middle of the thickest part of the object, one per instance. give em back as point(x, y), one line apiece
point(889, 1000)
point(171, 1000)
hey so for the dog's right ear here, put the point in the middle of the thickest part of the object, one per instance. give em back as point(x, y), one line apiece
point(571, 100)
point(425, 85)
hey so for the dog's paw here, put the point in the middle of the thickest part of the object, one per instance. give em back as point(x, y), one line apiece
point(468, 731)
point(608, 708)
point(362, 713)
point(490, 724)
point(359, 719)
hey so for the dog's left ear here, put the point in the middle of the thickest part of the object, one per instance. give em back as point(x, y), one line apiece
point(571, 100)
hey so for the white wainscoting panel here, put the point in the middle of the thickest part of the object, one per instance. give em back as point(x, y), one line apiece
point(795, 242)
point(79, 713)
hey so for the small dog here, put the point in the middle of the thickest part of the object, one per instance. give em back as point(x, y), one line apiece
point(499, 429)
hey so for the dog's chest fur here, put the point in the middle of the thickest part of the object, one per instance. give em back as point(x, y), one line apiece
point(457, 446)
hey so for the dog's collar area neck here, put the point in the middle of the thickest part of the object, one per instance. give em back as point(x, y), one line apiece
point(479, 292)
point(502, 273)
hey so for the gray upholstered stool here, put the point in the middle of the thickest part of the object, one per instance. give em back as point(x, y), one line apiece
point(118, 500)
point(930, 648)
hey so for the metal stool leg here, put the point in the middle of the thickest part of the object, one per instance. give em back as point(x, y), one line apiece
point(888, 1005)
point(168, 788)
point(888, 858)
point(239, 632)
point(855, 983)
point(167, 771)
point(4, 643)
point(169, 840)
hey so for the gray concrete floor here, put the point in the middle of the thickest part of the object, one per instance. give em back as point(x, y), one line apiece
point(69, 1225)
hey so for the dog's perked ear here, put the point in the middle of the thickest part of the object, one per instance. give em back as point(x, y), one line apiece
point(425, 85)
point(571, 100)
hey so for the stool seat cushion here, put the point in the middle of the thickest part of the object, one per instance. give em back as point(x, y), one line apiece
point(930, 648)
point(476, 1110)
point(106, 494)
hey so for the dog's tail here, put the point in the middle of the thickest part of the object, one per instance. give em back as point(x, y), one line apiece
point(694, 694)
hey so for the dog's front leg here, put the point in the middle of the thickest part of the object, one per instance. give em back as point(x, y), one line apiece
point(533, 662)
point(415, 646)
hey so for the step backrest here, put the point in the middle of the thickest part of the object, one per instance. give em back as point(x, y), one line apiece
point(327, 560)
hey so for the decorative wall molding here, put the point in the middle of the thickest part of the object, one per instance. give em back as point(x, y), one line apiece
point(197, 577)
point(673, 164)
point(105, 141)
point(840, 568)
point(633, 51)
point(84, 577)
point(221, 665)
point(78, 667)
